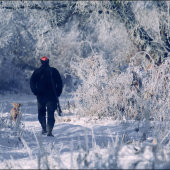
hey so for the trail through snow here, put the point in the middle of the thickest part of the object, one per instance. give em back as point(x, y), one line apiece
point(98, 133)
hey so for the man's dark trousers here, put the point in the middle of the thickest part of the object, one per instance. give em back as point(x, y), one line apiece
point(51, 105)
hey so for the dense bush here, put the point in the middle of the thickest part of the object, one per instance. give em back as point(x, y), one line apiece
point(140, 92)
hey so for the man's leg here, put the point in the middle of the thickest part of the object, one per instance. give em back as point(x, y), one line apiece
point(42, 114)
point(51, 107)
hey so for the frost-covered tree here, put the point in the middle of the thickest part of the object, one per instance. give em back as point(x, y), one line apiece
point(63, 29)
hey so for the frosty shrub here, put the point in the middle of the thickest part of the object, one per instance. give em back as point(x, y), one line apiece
point(116, 155)
point(102, 92)
point(140, 92)
point(93, 96)
point(10, 128)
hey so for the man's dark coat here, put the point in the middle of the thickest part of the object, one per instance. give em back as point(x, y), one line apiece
point(41, 84)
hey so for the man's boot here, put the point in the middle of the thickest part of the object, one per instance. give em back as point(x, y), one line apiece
point(50, 125)
point(42, 121)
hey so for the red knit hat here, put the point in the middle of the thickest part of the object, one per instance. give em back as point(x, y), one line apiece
point(44, 60)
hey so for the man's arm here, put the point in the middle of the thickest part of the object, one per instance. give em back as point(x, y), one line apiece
point(33, 83)
point(59, 82)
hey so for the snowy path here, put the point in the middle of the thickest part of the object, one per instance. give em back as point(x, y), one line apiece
point(97, 132)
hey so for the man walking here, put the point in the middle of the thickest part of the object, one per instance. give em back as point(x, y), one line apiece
point(46, 84)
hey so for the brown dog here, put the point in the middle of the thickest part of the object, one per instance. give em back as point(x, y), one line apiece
point(15, 111)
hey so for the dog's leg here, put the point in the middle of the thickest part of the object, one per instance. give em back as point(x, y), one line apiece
point(11, 112)
point(14, 116)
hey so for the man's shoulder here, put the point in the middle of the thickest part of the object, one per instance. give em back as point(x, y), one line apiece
point(54, 69)
point(36, 70)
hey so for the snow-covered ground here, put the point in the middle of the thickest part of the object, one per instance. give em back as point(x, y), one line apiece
point(79, 142)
